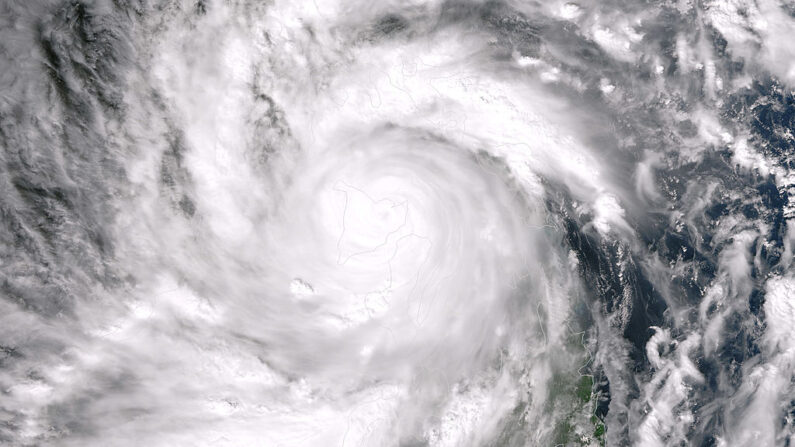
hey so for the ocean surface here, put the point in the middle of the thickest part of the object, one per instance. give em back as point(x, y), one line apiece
point(397, 223)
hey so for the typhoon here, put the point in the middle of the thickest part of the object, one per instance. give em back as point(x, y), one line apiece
point(397, 223)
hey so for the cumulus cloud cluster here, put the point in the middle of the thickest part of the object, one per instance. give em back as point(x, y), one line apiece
point(431, 223)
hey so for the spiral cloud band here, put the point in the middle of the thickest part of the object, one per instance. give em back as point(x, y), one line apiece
point(451, 223)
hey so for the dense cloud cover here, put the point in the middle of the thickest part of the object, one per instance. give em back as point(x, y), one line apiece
point(451, 223)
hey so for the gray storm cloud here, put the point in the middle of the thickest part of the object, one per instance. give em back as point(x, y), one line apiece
point(422, 223)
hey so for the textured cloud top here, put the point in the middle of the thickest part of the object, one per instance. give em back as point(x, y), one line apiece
point(316, 223)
